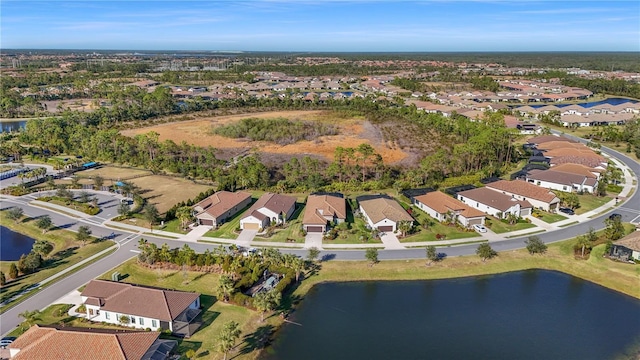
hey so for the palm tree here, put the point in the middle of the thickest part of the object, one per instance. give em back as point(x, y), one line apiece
point(225, 287)
point(228, 335)
point(184, 214)
point(30, 317)
point(266, 301)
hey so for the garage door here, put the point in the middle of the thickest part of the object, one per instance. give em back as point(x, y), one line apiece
point(475, 221)
point(525, 212)
point(206, 222)
point(251, 226)
point(314, 228)
point(385, 228)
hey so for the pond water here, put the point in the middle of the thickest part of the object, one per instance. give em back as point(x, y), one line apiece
point(522, 315)
point(610, 101)
point(13, 244)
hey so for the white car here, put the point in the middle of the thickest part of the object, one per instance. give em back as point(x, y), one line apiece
point(479, 228)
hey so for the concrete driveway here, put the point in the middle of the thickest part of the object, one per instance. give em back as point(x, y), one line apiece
point(390, 240)
point(246, 237)
point(313, 239)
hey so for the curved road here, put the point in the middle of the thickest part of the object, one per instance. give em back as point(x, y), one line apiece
point(127, 244)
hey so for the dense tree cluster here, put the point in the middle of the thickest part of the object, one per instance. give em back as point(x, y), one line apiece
point(280, 130)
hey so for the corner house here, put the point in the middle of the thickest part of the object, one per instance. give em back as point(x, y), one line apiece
point(142, 307)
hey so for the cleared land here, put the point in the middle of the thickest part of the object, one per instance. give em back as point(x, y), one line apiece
point(166, 191)
point(113, 173)
point(352, 131)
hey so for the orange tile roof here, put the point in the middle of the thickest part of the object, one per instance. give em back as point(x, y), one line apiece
point(381, 208)
point(442, 203)
point(131, 299)
point(45, 343)
point(327, 204)
point(221, 202)
point(524, 189)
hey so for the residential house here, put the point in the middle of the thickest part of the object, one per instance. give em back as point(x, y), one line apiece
point(496, 204)
point(586, 157)
point(538, 196)
point(322, 210)
point(142, 307)
point(382, 213)
point(45, 343)
point(217, 208)
point(579, 169)
point(443, 207)
point(627, 248)
point(562, 181)
point(270, 208)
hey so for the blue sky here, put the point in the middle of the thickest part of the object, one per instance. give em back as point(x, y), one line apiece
point(322, 25)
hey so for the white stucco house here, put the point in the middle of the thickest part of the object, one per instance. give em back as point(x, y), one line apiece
point(142, 307)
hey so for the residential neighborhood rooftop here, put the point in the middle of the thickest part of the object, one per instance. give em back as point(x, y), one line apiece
point(320, 206)
point(380, 208)
point(221, 202)
point(494, 199)
point(442, 203)
point(524, 189)
point(125, 298)
point(46, 343)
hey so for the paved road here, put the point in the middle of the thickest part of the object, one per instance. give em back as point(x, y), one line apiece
point(10, 320)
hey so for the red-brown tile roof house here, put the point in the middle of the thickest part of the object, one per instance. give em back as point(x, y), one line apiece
point(219, 207)
point(440, 206)
point(494, 203)
point(269, 208)
point(322, 210)
point(47, 343)
point(539, 197)
point(142, 307)
point(382, 213)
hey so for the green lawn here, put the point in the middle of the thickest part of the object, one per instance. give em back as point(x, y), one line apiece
point(292, 231)
point(66, 252)
point(173, 226)
point(589, 202)
point(499, 227)
point(430, 234)
point(435, 228)
point(352, 235)
point(550, 217)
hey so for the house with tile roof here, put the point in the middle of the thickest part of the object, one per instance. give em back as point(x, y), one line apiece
point(562, 181)
point(579, 169)
point(627, 248)
point(217, 208)
point(270, 208)
point(496, 204)
point(46, 343)
point(142, 307)
point(382, 212)
point(538, 196)
point(322, 211)
point(443, 207)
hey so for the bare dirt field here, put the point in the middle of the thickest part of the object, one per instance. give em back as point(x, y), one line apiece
point(166, 191)
point(351, 133)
